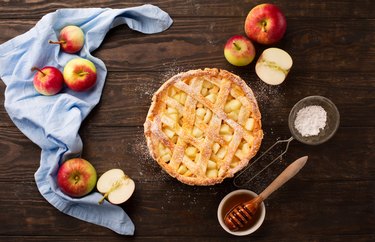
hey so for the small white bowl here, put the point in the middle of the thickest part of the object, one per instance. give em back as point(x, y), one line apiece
point(252, 229)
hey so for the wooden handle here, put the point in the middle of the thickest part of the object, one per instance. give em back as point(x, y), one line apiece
point(288, 173)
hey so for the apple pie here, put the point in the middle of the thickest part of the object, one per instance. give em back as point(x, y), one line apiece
point(203, 126)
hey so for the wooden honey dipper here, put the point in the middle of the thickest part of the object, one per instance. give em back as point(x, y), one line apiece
point(242, 213)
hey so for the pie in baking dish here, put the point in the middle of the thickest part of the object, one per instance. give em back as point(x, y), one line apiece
point(203, 126)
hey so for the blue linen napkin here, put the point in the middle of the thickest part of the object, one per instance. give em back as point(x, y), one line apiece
point(53, 122)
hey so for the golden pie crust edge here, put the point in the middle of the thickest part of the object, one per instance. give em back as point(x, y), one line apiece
point(153, 112)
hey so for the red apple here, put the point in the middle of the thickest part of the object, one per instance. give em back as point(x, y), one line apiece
point(239, 51)
point(79, 74)
point(48, 80)
point(71, 39)
point(265, 24)
point(76, 177)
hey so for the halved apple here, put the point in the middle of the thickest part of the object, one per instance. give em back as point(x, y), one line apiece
point(116, 186)
point(273, 66)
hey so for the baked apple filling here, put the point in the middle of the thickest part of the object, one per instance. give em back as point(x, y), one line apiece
point(203, 126)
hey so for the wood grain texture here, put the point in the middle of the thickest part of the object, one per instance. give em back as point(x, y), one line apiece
point(332, 199)
point(36, 217)
point(317, 45)
point(125, 147)
point(216, 8)
point(127, 96)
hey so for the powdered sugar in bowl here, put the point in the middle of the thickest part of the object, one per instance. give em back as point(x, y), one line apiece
point(314, 120)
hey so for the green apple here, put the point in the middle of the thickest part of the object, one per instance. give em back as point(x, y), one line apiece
point(239, 51)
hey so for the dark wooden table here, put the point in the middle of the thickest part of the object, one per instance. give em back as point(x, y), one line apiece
point(332, 199)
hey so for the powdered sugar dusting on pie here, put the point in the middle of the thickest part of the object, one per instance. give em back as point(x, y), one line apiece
point(203, 126)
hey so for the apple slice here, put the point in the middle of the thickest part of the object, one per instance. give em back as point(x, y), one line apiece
point(273, 66)
point(116, 186)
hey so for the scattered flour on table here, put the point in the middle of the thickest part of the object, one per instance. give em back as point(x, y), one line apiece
point(145, 89)
point(140, 149)
point(148, 169)
point(267, 94)
point(172, 70)
point(310, 120)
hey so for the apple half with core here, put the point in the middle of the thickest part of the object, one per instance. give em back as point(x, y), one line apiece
point(239, 51)
point(76, 177)
point(48, 80)
point(116, 186)
point(273, 66)
point(265, 24)
point(79, 74)
point(71, 39)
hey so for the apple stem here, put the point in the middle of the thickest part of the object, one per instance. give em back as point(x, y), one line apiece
point(237, 46)
point(57, 42)
point(76, 179)
point(83, 73)
point(37, 69)
point(103, 198)
point(264, 24)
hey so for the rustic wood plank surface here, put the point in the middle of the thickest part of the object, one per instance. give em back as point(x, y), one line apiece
point(333, 199)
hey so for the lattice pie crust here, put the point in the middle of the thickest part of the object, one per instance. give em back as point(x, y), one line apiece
point(203, 126)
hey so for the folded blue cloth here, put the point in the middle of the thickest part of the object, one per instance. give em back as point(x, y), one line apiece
point(52, 122)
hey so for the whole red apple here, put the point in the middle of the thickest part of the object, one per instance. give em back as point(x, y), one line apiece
point(76, 177)
point(71, 39)
point(48, 80)
point(79, 74)
point(265, 24)
point(239, 51)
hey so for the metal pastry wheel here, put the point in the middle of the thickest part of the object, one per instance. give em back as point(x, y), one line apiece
point(332, 124)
